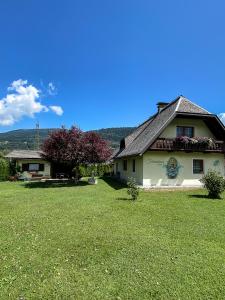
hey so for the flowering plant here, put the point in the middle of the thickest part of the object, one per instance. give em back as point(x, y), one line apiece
point(205, 141)
point(202, 141)
point(182, 139)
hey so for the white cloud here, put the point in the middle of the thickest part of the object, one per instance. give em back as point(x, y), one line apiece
point(52, 89)
point(56, 109)
point(222, 117)
point(23, 100)
point(17, 84)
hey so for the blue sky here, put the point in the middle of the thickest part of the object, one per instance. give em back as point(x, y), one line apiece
point(108, 62)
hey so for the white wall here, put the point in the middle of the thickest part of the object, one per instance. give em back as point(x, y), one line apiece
point(154, 168)
point(47, 165)
point(151, 168)
point(200, 128)
point(124, 175)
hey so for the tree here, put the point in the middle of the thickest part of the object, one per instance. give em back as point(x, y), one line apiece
point(96, 150)
point(70, 148)
point(63, 146)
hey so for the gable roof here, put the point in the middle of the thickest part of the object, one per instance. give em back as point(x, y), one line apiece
point(184, 105)
point(139, 141)
point(25, 154)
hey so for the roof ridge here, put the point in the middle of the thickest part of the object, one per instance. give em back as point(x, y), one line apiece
point(157, 120)
point(170, 103)
point(178, 103)
point(154, 115)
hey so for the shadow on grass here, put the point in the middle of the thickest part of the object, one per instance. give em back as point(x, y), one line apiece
point(32, 185)
point(114, 183)
point(204, 197)
point(124, 199)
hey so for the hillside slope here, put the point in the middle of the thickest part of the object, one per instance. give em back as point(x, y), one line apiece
point(26, 138)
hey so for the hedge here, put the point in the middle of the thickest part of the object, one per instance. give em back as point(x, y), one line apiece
point(96, 170)
point(4, 169)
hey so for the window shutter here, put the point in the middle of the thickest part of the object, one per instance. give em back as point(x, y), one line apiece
point(134, 165)
point(25, 167)
point(41, 167)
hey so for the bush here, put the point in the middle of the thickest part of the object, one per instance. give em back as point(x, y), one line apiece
point(77, 172)
point(96, 169)
point(132, 190)
point(214, 183)
point(14, 168)
point(100, 170)
point(4, 169)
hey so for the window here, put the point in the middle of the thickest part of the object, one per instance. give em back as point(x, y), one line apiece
point(117, 167)
point(133, 165)
point(198, 166)
point(125, 165)
point(33, 167)
point(185, 131)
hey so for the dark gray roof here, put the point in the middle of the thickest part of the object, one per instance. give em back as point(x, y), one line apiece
point(186, 106)
point(138, 142)
point(25, 154)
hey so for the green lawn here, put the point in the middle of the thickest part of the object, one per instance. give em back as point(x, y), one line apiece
point(90, 242)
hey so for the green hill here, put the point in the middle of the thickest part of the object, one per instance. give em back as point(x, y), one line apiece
point(26, 138)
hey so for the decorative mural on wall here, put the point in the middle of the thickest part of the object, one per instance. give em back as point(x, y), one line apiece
point(216, 163)
point(172, 168)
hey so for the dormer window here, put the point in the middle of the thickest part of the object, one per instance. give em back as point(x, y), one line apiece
point(122, 144)
point(185, 131)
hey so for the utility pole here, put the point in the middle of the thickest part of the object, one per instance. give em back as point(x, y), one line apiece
point(37, 136)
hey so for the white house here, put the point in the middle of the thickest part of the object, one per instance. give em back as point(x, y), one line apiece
point(31, 163)
point(174, 147)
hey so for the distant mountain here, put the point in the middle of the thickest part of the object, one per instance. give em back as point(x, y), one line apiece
point(27, 138)
point(114, 135)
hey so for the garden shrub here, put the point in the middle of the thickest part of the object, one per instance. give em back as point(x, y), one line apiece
point(4, 169)
point(133, 189)
point(77, 172)
point(97, 169)
point(100, 170)
point(14, 168)
point(214, 183)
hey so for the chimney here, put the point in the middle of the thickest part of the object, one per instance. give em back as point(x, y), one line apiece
point(161, 105)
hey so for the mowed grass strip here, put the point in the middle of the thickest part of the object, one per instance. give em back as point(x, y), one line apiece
point(91, 242)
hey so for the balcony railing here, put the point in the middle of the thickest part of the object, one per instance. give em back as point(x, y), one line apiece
point(174, 145)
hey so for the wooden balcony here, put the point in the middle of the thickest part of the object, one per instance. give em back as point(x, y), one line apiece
point(173, 145)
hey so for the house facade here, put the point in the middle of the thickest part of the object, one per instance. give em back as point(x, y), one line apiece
point(30, 163)
point(174, 147)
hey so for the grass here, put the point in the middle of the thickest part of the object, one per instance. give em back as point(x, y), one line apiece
point(90, 242)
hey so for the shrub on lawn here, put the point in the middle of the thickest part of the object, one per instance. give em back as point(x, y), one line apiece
point(77, 173)
point(14, 169)
point(96, 169)
point(214, 183)
point(133, 189)
point(4, 169)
